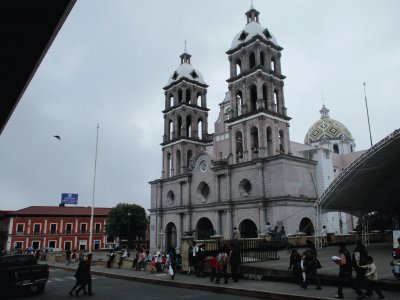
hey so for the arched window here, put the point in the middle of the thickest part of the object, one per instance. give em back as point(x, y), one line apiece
point(254, 139)
point(238, 66)
point(281, 142)
point(188, 96)
point(239, 102)
point(171, 100)
point(179, 129)
point(239, 144)
point(178, 162)
point(265, 96)
point(198, 99)
point(253, 98)
point(169, 165)
point(200, 129)
point(189, 158)
point(336, 148)
point(276, 101)
point(269, 142)
point(180, 96)
point(252, 60)
point(188, 132)
point(262, 58)
point(273, 65)
point(351, 149)
point(171, 130)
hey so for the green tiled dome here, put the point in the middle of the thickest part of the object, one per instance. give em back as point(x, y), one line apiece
point(327, 129)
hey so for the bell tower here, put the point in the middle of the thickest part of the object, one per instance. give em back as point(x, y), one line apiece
point(185, 118)
point(258, 121)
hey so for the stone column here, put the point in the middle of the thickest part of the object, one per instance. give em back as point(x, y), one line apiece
point(179, 234)
point(260, 168)
point(217, 188)
point(262, 219)
point(217, 222)
point(229, 227)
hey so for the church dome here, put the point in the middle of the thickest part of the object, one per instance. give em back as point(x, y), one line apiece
point(327, 129)
point(186, 70)
point(252, 29)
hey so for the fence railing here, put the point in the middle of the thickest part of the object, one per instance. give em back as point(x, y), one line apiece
point(251, 250)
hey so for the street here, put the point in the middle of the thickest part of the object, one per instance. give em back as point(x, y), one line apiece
point(60, 282)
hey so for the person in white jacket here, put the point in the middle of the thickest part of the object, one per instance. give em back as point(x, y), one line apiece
point(372, 276)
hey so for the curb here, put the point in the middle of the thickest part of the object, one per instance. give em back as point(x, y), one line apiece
point(204, 287)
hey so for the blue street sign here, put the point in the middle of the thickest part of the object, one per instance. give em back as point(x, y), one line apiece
point(69, 198)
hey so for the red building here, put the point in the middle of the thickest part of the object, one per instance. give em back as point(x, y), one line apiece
point(55, 227)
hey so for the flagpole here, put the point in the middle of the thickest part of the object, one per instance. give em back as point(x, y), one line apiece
point(94, 189)
point(366, 106)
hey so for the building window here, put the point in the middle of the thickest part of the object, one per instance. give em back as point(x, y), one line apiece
point(35, 245)
point(53, 228)
point(18, 245)
point(245, 187)
point(52, 244)
point(203, 191)
point(36, 229)
point(68, 228)
point(20, 228)
point(170, 197)
point(97, 228)
point(83, 228)
point(96, 244)
point(336, 148)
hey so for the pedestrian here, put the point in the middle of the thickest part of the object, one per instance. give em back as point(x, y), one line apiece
point(359, 259)
point(372, 278)
point(81, 279)
point(195, 250)
point(67, 257)
point(200, 256)
point(345, 272)
point(191, 260)
point(236, 238)
point(86, 275)
point(214, 266)
point(81, 256)
point(295, 265)
point(172, 262)
point(310, 265)
point(223, 260)
point(268, 228)
point(111, 257)
point(324, 236)
point(73, 257)
point(235, 261)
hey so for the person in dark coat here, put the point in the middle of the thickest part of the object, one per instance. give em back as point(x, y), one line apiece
point(359, 259)
point(80, 278)
point(86, 276)
point(295, 265)
point(345, 270)
point(235, 261)
point(310, 265)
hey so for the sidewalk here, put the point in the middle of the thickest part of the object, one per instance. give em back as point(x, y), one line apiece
point(278, 289)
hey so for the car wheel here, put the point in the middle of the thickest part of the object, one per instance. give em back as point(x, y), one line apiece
point(40, 288)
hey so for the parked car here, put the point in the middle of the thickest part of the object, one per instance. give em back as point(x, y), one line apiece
point(22, 271)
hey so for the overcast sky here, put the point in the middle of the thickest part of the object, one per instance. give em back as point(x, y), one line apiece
point(111, 59)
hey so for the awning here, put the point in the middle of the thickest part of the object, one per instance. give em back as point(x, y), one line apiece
point(370, 183)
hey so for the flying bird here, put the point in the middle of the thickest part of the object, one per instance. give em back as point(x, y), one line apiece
point(57, 137)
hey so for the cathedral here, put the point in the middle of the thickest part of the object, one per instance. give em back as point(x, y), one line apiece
point(247, 172)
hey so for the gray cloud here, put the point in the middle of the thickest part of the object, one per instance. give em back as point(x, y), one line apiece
point(111, 59)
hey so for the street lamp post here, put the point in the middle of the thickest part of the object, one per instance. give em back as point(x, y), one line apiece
point(94, 188)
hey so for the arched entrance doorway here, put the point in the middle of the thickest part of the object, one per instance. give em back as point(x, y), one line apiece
point(248, 229)
point(170, 235)
point(306, 226)
point(205, 229)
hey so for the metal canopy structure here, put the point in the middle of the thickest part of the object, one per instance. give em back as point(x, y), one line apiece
point(27, 30)
point(370, 183)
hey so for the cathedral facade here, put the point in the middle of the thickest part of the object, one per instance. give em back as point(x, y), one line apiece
point(245, 174)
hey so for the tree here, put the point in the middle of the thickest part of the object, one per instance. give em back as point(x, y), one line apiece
point(127, 221)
